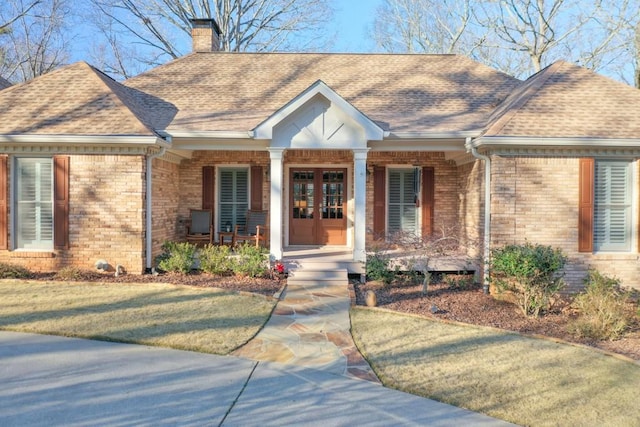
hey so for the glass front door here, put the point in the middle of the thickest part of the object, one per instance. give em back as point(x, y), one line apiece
point(317, 214)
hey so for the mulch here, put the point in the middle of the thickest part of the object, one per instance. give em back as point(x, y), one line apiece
point(473, 306)
point(259, 285)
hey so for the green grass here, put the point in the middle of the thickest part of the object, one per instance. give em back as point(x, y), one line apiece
point(524, 380)
point(199, 319)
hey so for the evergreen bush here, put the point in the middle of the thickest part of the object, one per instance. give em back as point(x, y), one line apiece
point(531, 272)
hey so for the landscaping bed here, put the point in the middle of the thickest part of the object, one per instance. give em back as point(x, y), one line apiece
point(471, 305)
point(258, 285)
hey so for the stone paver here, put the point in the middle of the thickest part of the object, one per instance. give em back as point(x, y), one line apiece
point(310, 328)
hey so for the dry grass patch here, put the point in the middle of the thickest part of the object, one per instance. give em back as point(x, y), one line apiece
point(189, 318)
point(524, 380)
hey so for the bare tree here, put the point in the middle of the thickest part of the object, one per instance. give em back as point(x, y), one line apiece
point(519, 37)
point(427, 26)
point(534, 33)
point(35, 41)
point(636, 73)
point(10, 13)
point(158, 30)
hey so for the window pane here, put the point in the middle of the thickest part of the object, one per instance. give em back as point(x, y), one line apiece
point(303, 187)
point(402, 212)
point(234, 197)
point(612, 210)
point(34, 203)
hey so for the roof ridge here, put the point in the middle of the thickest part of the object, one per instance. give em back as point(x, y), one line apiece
point(46, 75)
point(159, 67)
point(115, 87)
point(530, 88)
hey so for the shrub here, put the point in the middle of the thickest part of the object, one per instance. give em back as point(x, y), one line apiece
point(176, 257)
point(251, 261)
point(601, 308)
point(11, 271)
point(378, 268)
point(531, 273)
point(216, 259)
point(74, 273)
point(459, 281)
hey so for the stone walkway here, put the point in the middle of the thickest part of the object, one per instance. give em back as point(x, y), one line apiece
point(310, 327)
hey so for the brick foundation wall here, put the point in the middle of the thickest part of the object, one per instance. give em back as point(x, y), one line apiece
point(536, 200)
point(106, 218)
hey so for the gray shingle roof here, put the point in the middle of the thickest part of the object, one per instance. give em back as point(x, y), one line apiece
point(76, 99)
point(565, 100)
point(415, 93)
point(401, 93)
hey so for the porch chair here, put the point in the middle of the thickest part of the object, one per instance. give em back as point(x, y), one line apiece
point(199, 228)
point(255, 229)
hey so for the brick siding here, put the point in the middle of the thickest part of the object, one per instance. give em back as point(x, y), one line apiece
point(190, 186)
point(446, 186)
point(471, 206)
point(536, 200)
point(166, 204)
point(106, 218)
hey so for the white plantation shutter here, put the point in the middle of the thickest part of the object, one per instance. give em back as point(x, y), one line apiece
point(402, 211)
point(234, 197)
point(34, 203)
point(612, 208)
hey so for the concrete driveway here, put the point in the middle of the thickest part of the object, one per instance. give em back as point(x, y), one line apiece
point(64, 381)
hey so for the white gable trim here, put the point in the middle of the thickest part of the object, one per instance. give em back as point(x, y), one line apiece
point(372, 131)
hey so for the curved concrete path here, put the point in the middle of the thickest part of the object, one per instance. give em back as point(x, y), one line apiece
point(55, 381)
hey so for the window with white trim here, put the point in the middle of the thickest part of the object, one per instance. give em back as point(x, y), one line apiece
point(402, 214)
point(33, 203)
point(612, 205)
point(234, 197)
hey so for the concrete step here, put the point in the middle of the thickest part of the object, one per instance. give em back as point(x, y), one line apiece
point(318, 274)
point(309, 277)
point(301, 264)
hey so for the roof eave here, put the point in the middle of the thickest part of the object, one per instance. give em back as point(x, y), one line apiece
point(60, 139)
point(488, 142)
point(198, 134)
point(434, 135)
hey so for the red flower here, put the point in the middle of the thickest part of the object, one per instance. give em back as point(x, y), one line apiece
point(280, 268)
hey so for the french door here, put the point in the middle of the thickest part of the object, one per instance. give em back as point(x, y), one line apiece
point(317, 213)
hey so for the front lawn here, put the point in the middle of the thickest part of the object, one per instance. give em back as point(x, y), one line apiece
point(200, 319)
point(520, 379)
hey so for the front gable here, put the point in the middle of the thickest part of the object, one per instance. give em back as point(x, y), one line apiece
point(319, 124)
point(318, 118)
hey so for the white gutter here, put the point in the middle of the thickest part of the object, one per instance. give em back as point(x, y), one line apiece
point(487, 212)
point(540, 142)
point(84, 139)
point(202, 134)
point(432, 135)
point(148, 225)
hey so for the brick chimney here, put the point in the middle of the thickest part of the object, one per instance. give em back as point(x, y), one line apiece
point(205, 35)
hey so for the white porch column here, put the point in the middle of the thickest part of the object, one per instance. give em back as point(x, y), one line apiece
point(360, 202)
point(275, 208)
